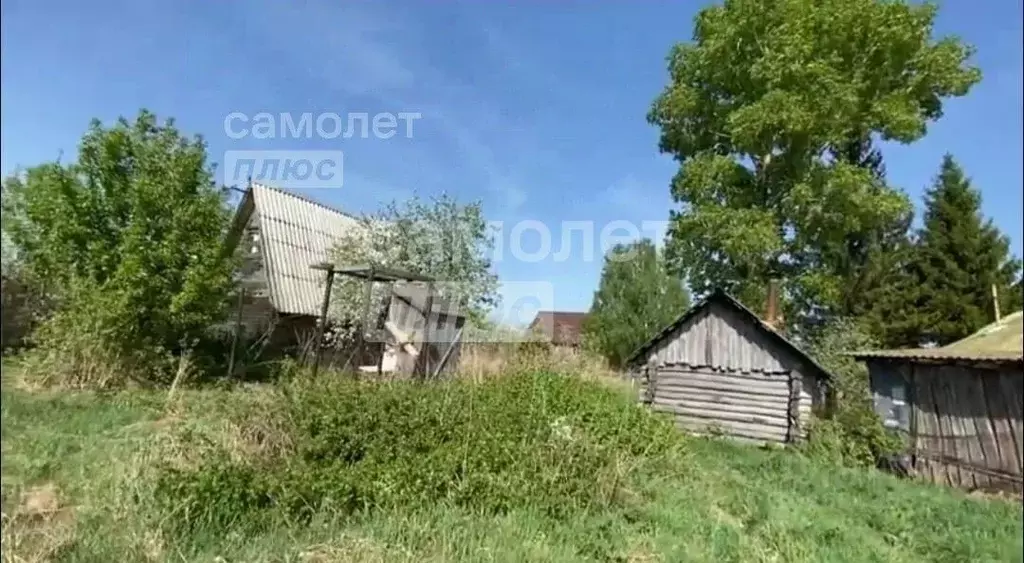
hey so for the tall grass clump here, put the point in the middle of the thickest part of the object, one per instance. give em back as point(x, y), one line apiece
point(551, 444)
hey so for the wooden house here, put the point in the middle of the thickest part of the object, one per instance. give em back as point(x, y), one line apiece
point(719, 367)
point(278, 236)
point(958, 406)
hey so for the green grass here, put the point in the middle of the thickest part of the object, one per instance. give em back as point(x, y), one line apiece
point(718, 502)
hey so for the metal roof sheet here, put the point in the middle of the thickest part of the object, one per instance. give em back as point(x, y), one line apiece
point(1000, 341)
point(296, 233)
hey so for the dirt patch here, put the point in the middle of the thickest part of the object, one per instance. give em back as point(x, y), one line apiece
point(362, 550)
point(38, 528)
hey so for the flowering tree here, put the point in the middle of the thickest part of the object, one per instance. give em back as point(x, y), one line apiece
point(440, 238)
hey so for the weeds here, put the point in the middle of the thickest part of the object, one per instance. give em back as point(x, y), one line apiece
point(549, 442)
point(101, 457)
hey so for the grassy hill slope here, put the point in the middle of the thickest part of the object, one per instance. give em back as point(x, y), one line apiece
point(540, 470)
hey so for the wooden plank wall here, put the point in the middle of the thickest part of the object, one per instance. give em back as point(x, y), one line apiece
point(966, 425)
point(749, 406)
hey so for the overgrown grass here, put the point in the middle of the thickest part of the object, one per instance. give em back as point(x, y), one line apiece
point(82, 474)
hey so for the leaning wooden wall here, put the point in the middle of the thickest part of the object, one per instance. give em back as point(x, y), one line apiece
point(965, 427)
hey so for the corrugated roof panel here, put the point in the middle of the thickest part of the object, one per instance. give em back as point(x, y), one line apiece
point(999, 341)
point(297, 233)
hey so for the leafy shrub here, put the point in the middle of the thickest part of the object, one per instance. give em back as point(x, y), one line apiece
point(552, 443)
point(129, 239)
point(22, 307)
point(851, 433)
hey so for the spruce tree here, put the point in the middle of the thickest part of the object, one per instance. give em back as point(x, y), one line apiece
point(636, 298)
point(959, 256)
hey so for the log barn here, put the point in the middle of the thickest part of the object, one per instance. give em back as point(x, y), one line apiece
point(720, 368)
point(958, 406)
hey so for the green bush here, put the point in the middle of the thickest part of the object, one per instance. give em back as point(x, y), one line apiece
point(851, 433)
point(128, 240)
point(552, 443)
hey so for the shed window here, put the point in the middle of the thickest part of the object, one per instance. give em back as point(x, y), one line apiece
point(890, 393)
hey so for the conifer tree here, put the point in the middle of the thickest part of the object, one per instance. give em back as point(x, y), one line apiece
point(959, 256)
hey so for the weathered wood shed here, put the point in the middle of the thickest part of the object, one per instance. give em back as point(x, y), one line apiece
point(958, 406)
point(719, 366)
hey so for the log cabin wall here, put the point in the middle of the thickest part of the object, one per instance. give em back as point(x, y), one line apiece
point(962, 420)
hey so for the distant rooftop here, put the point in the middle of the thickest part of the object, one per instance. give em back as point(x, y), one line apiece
point(563, 328)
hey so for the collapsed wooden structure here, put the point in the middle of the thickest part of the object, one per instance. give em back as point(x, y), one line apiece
point(959, 407)
point(421, 330)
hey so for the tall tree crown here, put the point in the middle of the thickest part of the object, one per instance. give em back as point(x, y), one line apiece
point(960, 256)
point(636, 297)
point(772, 111)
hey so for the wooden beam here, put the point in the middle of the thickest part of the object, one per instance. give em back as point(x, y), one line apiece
point(428, 320)
point(447, 353)
point(234, 334)
point(323, 318)
point(379, 273)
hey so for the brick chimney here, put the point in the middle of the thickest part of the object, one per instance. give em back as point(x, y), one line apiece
point(772, 314)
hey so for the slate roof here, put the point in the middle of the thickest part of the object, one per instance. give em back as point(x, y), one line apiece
point(1001, 341)
point(295, 233)
point(731, 302)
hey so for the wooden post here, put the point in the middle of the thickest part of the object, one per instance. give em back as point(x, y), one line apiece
point(652, 383)
point(447, 353)
point(912, 403)
point(364, 323)
point(995, 301)
point(425, 350)
point(380, 326)
point(323, 321)
point(795, 388)
point(234, 335)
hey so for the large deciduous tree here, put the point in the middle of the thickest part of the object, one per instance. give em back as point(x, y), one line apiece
point(636, 297)
point(128, 238)
point(772, 111)
point(959, 256)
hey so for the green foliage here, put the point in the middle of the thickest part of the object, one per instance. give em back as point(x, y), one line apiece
point(636, 298)
point(127, 238)
point(958, 257)
point(552, 443)
point(851, 434)
point(721, 502)
point(440, 238)
point(771, 111)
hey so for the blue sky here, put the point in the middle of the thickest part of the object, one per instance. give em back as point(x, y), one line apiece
point(536, 108)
